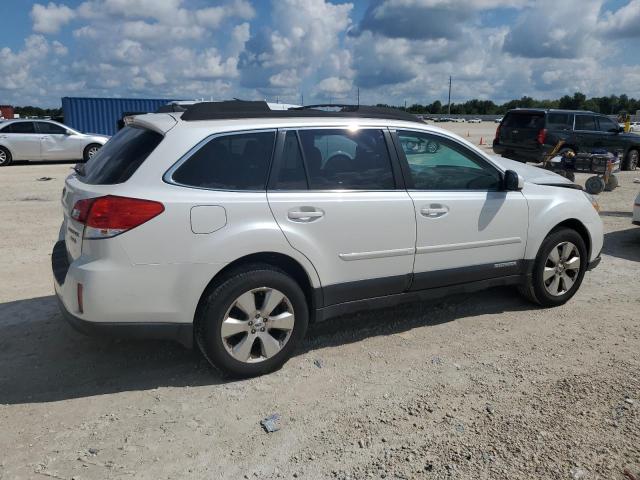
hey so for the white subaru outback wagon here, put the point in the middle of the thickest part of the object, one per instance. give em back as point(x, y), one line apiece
point(234, 226)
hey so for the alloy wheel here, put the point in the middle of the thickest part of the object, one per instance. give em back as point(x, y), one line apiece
point(257, 325)
point(92, 151)
point(3, 157)
point(561, 269)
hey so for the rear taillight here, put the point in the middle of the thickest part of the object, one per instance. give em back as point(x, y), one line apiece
point(497, 133)
point(109, 216)
point(542, 136)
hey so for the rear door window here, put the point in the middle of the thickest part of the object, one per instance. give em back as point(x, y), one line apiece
point(121, 156)
point(340, 159)
point(229, 162)
point(291, 173)
point(586, 123)
point(560, 121)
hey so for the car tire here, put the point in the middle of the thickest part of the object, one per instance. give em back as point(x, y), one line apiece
point(632, 160)
point(556, 274)
point(90, 150)
point(240, 343)
point(5, 157)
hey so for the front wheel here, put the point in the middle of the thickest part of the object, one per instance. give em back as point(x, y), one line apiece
point(252, 322)
point(558, 269)
point(90, 151)
point(5, 157)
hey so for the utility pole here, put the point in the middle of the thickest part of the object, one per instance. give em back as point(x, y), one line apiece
point(449, 103)
point(301, 99)
point(358, 96)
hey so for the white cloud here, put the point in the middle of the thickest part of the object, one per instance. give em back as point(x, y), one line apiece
point(623, 23)
point(50, 18)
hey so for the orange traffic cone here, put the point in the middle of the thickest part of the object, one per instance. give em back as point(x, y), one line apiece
point(481, 141)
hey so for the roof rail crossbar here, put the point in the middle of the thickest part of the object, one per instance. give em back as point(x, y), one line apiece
point(364, 110)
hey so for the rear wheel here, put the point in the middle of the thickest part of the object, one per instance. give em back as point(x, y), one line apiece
point(632, 160)
point(252, 322)
point(5, 157)
point(558, 269)
point(90, 150)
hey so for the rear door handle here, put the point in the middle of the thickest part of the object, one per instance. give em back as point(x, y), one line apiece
point(434, 210)
point(305, 214)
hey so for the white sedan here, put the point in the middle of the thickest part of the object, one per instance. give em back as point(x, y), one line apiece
point(45, 140)
point(636, 210)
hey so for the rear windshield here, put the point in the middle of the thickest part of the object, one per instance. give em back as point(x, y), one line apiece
point(523, 120)
point(120, 157)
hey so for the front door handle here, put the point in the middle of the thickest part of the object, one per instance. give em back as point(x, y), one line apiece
point(435, 210)
point(305, 214)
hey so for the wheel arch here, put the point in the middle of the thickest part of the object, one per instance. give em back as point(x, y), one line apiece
point(578, 226)
point(282, 261)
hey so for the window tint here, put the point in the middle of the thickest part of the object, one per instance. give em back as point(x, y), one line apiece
point(229, 162)
point(585, 122)
point(523, 120)
point(116, 161)
point(51, 128)
point(607, 125)
point(19, 127)
point(437, 164)
point(291, 174)
point(345, 159)
point(560, 121)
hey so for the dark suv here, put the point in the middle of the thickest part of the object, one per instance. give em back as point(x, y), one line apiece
point(529, 134)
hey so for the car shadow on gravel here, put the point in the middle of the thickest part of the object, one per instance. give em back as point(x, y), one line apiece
point(623, 244)
point(42, 359)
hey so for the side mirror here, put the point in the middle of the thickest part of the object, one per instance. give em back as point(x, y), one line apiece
point(512, 181)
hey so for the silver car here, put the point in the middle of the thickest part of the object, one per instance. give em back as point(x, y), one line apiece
point(45, 140)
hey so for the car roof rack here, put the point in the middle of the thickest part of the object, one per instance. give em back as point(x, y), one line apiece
point(236, 109)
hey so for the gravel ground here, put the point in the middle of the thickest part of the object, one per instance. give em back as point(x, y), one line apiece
point(481, 386)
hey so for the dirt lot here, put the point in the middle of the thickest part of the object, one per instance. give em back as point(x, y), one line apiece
point(482, 386)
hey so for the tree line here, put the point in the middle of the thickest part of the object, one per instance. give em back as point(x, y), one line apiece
point(29, 111)
point(611, 105)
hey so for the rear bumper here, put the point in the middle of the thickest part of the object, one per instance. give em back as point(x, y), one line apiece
point(520, 154)
point(112, 304)
point(179, 332)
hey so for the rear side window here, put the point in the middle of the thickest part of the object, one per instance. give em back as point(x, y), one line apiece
point(560, 121)
point(524, 120)
point(338, 159)
point(19, 127)
point(229, 162)
point(586, 122)
point(121, 156)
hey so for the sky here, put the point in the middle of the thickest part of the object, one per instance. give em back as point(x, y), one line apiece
point(393, 51)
